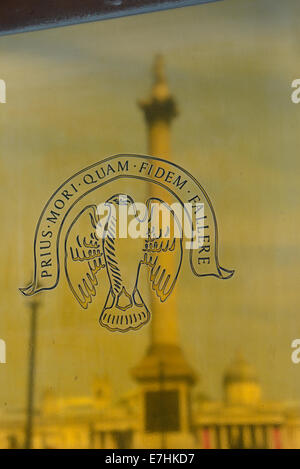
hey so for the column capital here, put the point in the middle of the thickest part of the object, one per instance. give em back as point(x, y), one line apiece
point(161, 104)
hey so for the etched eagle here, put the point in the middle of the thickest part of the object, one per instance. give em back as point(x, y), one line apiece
point(93, 248)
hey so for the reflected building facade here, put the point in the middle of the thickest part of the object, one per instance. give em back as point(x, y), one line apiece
point(145, 419)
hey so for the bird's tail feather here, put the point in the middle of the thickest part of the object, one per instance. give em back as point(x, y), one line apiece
point(123, 312)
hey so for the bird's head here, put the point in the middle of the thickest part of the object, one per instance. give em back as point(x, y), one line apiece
point(120, 199)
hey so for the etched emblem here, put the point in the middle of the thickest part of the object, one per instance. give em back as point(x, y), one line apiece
point(100, 236)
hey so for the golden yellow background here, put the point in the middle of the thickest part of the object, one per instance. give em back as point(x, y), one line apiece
point(71, 101)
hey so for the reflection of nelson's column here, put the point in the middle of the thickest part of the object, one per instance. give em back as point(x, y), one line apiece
point(164, 374)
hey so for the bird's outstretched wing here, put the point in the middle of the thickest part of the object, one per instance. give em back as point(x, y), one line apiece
point(162, 249)
point(83, 255)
